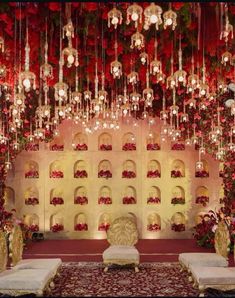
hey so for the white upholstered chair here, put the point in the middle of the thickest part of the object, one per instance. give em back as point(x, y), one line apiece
point(122, 236)
point(217, 259)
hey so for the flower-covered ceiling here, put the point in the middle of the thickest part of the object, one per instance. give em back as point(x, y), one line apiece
point(101, 63)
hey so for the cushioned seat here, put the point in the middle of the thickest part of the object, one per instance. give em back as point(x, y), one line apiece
point(51, 264)
point(123, 252)
point(202, 259)
point(220, 278)
point(24, 281)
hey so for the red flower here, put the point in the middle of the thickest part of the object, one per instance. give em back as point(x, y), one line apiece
point(177, 5)
point(54, 6)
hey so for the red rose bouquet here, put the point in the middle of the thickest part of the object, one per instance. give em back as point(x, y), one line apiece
point(81, 200)
point(103, 227)
point(32, 147)
point(129, 147)
point(57, 201)
point(105, 200)
point(32, 201)
point(128, 200)
point(105, 174)
point(81, 227)
point(33, 228)
point(202, 200)
point(32, 174)
point(128, 174)
point(56, 174)
point(202, 174)
point(80, 174)
point(104, 147)
point(176, 174)
point(176, 201)
point(178, 227)
point(153, 200)
point(153, 174)
point(57, 228)
point(56, 147)
point(151, 147)
point(178, 146)
point(153, 227)
point(81, 147)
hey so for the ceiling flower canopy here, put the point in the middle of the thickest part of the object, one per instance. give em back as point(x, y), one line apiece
point(101, 63)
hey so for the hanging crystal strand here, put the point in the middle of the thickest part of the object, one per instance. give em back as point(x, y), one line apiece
point(203, 88)
point(46, 70)
point(180, 75)
point(170, 81)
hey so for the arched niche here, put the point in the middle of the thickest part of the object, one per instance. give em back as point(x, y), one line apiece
point(80, 169)
point(153, 222)
point(56, 196)
point(202, 169)
point(56, 222)
point(105, 142)
point(178, 195)
point(104, 221)
point(153, 169)
point(129, 169)
point(80, 142)
point(129, 196)
point(152, 141)
point(56, 169)
point(177, 169)
point(9, 196)
point(80, 222)
point(57, 144)
point(198, 218)
point(31, 169)
point(105, 169)
point(202, 195)
point(154, 195)
point(178, 222)
point(221, 169)
point(31, 196)
point(128, 142)
point(105, 195)
point(32, 222)
point(80, 196)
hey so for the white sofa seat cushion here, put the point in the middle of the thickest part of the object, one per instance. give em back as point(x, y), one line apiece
point(51, 264)
point(203, 259)
point(25, 280)
point(121, 252)
point(213, 275)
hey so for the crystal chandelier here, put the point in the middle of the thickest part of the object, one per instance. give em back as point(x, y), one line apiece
point(46, 69)
point(155, 65)
point(226, 58)
point(134, 13)
point(144, 58)
point(180, 75)
point(133, 78)
point(116, 66)
point(170, 81)
point(148, 93)
point(137, 41)
point(193, 79)
point(152, 15)
point(169, 19)
point(203, 87)
point(114, 17)
point(69, 52)
point(228, 28)
point(27, 77)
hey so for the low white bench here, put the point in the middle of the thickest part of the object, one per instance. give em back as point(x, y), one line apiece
point(221, 278)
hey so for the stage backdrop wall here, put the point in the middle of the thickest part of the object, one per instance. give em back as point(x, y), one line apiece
point(95, 216)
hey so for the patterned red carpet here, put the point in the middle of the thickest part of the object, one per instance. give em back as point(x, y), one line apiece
point(154, 279)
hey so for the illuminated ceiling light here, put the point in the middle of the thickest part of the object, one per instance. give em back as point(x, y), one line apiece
point(133, 78)
point(226, 58)
point(137, 41)
point(114, 17)
point(152, 15)
point(169, 18)
point(143, 58)
point(134, 13)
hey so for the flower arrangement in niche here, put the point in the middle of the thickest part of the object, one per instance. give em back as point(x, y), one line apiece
point(153, 200)
point(128, 200)
point(153, 227)
point(56, 174)
point(57, 228)
point(103, 227)
point(33, 228)
point(202, 200)
point(129, 147)
point(104, 174)
point(128, 174)
point(81, 227)
point(153, 174)
point(176, 174)
point(32, 174)
point(31, 201)
point(81, 147)
point(81, 200)
point(152, 147)
point(178, 146)
point(57, 147)
point(221, 174)
point(178, 227)
point(32, 147)
point(202, 174)
point(104, 200)
point(80, 174)
point(176, 201)
point(105, 147)
point(57, 201)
